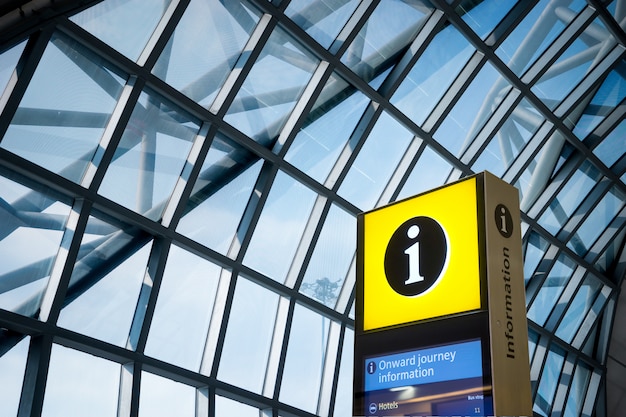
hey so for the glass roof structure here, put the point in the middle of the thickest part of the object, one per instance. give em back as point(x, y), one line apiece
point(180, 180)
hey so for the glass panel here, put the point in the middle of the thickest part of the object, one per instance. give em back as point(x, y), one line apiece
point(272, 88)
point(430, 171)
point(248, 335)
point(126, 25)
point(150, 157)
point(31, 228)
point(12, 366)
point(535, 33)
point(549, 381)
point(551, 289)
point(578, 308)
point(80, 385)
point(225, 407)
point(562, 207)
point(534, 249)
point(388, 31)
point(105, 283)
point(218, 30)
point(280, 227)
point(331, 258)
point(510, 140)
point(65, 109)
point(578, 391)
point(8, 62)
point(607, 98)
point(613, 147)
point(568, 70)
point(327, 129)
point(482, 18)
point(321, 19)
point(471, 112)
point(367, 177)
point(438, 66)
point(183, 310)
point(220, 195)
point(305, 359)
point(343, 400)
point(597, 221)
point(162, 397)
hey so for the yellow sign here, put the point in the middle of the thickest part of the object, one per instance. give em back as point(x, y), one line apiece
point(421, 257)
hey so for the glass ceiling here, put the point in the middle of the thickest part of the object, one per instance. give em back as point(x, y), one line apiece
point(179, 185)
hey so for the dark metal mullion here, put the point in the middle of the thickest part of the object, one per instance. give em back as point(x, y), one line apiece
point(284, 349)
point(336, 373)
point(507, 25)
point(35, 376)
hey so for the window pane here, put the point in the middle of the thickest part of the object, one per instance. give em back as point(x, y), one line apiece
point(220, 195)
point(280, 227)
point(80, 384)
point(300, 386)
point(327, 129)
point(248, 335)
point(150, 156)
point(105, 283)
point(578, 391)
point(225, 407)
point(430, 172)
point(31, 228)
point(482, 18)
point(272, 88)
point(12, 366)
point(613, 147)
point(162, 397)
point(183, 310)
point(331, 258)
point(219, 30)
point(65, 109)
point(367, 177)
point(549, 381)
point(343, 401)
point(126, 25)
point(578, 308)
point(8, 62)
point(551, 289)
point(432, 74)
point(534, 249)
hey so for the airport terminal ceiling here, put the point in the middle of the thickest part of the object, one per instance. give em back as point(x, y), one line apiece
point(180, 180)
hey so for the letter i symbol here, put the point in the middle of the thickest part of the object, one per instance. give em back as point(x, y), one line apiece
point(503, 220)
point(414, 257)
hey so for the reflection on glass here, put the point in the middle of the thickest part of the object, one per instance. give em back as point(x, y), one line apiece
point(162, 397)
point(150, 157)
point(205, 47)
point(551, 289)
point(367, 177)
point(65, 109)
point(12, 366)
point(278, 233)
point(126, 25)
point(391, 28)
point(272, 88)
point(80, 384)
point(322, 19)
point(105, 283)
point(31, 228)
point(327, 129)
point(435, 70)
point(248, 335)
point(220, 195)
point(304, 363)
point(181, 318)
point(331, 258)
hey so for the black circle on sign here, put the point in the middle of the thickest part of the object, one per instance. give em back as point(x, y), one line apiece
point(504, 220)
point(432, 254)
